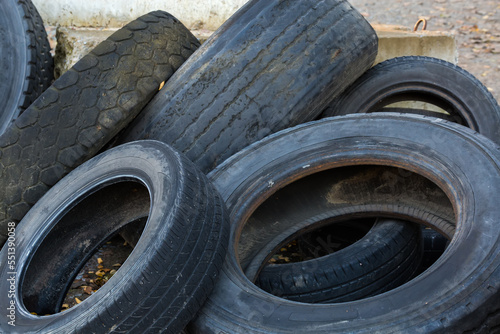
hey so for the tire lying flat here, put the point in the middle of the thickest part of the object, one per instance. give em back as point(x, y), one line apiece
point(272, 65)
point(458, 293)
point(26, 65)
point(86, 107)
point(167, 276)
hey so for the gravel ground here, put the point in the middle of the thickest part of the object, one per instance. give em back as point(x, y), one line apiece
point(476, 25)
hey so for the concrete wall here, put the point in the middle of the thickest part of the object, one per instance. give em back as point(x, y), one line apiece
point(195, 14)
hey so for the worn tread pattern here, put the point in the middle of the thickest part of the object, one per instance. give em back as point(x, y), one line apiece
point(274, 64)
point(32, 60)
point(191, 264)
point(172, 269)
point(385, 258)
point(86, 107)
point(41, 65)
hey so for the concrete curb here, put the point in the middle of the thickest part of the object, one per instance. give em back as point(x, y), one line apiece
point(394, 41)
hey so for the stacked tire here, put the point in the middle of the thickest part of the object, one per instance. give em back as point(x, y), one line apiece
point(247, 150)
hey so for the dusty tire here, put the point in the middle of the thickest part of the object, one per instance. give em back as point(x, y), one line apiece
point(26, 65)
point(86, 107)
point(167, 276)
point(458, 293)
point(274, 64)
point(388, 256)
point(423, 79)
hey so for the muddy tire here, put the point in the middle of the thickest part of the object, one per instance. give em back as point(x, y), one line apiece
point(458, 293)
point(26, 65)
point(272, 65)
point(465, 99)
point(86, 107)
point(165, 279)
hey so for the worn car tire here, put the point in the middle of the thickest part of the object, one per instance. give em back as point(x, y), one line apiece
point(385, 258)
point(458, 293)
point(437, 82)
point(26, 65)
point(86, 107)
point(164, 280)
point(466, 100)
point(272, 65)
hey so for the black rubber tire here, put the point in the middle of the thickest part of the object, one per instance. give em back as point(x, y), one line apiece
point(434, 246)
point(369, 191)
point(423, 79)
point(86, 107)
point(26, 65)
point(167, 276)
point(388, 256)
point(272, 65)
point(458, 293)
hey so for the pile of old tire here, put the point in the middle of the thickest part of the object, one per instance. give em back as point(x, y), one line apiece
point(215, 105)
point(101, 153)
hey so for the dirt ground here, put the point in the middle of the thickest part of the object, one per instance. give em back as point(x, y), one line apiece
point(476, 25)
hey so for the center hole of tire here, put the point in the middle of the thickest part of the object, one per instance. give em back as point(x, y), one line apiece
point(85, 247)
point(291, 227)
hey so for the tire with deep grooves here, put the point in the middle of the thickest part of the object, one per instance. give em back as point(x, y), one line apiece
point(274, 64)
point(86, 107)
point(165, 279)
point(26, 65)
point(386, 257)
point(458, 293)
point(456, 91)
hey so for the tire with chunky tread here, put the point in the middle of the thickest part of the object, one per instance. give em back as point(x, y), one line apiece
point(86, 107)
point(466, 100)
point(27, 67)
point(165, 279)
point(272, 65)
point(458, 293)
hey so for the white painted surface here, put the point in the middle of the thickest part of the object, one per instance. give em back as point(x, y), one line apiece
point(195, 14)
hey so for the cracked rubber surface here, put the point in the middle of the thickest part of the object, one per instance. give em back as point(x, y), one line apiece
point(272, 65)
point(26, 65)
point(86, 107)
point(165, 279)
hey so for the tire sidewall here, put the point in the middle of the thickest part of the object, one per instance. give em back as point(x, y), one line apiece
point(446, 284)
